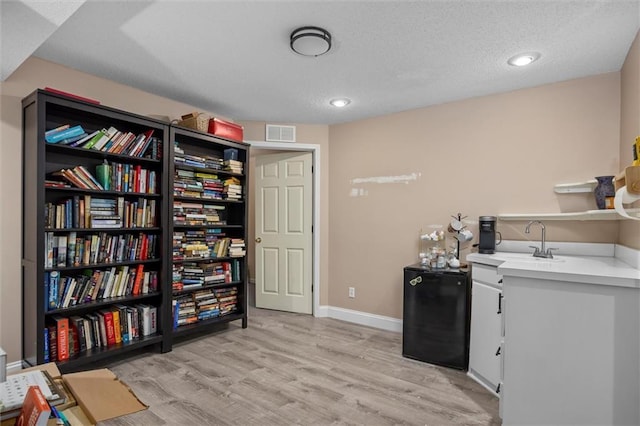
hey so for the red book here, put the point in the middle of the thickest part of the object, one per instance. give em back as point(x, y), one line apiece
point(144, 248)
point(71, 95)
point(137, 284)
point(109, 327)
point(136, 177)
point(35, 409)
point(226, 267)
point(62, 330)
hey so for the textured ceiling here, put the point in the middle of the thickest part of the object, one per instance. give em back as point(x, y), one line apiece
point(233, 57)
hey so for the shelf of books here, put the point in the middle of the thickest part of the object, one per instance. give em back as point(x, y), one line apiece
point(95, 209)
point(209, 225)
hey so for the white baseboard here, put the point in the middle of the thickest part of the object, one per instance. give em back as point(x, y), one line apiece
point(14, 367)
point(362, 318)
point(322, 312)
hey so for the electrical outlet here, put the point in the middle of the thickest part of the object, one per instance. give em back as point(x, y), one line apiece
point(352, 292)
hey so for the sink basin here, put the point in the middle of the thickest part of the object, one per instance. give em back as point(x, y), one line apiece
point(528, 257)
point(540, 259)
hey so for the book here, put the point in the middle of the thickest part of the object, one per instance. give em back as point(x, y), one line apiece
point(35, 409)
point(70, 140)
point(100, 143)
point(62, 251)
point(72, 342)
point(153, 315)
point(137, 287)
point(14, 390)
point(88, 330)
point(109, 326)
point(62, 331)
point(97, 136)
point(47, 355)
point(84, 139)
point(57, 129)
point(77, 324)
point(103, 175)
point(86, 176)
point(54, 279)
point(117, 330)
point(64, 134)
point(53, 343)
point(71, 95)
point(145, 315)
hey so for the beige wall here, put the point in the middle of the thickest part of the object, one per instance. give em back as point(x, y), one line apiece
point(308, 134)
point(483, 156)
point(630, 130)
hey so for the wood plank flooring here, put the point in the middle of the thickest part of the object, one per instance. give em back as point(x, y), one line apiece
point(287, 369)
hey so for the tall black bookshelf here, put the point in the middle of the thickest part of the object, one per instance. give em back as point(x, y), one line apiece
point(208, 196)
point(134, 245)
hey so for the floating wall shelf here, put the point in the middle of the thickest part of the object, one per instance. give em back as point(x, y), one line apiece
point(586, 215)
point(565, 188)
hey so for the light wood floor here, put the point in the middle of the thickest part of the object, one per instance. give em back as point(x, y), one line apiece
point(289, 369)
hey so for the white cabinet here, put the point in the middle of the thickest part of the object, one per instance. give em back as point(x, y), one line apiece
point(571, 353)
point(486, 326)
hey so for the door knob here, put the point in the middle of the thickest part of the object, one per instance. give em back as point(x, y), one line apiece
point(258, 240)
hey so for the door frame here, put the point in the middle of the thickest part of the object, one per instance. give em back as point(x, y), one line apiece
point(315, 220)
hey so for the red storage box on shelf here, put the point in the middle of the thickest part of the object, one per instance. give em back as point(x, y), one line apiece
point(225, 129)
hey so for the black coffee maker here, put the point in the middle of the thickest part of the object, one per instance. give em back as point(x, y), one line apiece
point(487, 228)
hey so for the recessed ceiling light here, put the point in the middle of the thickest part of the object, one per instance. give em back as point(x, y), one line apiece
point(341, 102)
point(523, 59)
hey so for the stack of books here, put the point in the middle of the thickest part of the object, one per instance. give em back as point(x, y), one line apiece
point(184, 311)
point(207, 304)
point(232, 189)
point(228, 299)
point(237, 247)
point(233, 166)
point(14, 391)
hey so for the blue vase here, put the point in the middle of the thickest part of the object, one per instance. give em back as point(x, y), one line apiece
point(603, 190)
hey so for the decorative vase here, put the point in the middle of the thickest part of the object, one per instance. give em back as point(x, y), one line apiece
point(603, 190)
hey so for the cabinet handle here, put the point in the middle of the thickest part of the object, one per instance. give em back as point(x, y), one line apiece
point(499, 303)
point(498, 351)
point(498, 388)
point(500, 281)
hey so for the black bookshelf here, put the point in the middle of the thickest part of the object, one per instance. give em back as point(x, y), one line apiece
point(43, 111)
point(233, 224)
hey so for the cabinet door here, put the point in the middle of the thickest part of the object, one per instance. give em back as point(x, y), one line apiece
point(485, 334)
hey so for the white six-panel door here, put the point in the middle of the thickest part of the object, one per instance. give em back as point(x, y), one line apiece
point(283, 234)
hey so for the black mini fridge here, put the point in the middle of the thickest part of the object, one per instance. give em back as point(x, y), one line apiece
point(436, 316)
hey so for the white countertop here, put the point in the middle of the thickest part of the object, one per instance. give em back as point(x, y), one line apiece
point(598, 270)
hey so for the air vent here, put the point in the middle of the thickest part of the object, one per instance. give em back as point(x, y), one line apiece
point(281, 133)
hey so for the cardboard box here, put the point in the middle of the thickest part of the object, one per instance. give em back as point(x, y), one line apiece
point(99, 394)
point(226, 129)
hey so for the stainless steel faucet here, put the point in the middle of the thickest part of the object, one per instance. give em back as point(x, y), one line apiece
point(540, 251)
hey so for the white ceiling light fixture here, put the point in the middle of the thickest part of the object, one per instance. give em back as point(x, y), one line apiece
point(310, 41)
point(340, 102)
point(522, 59)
